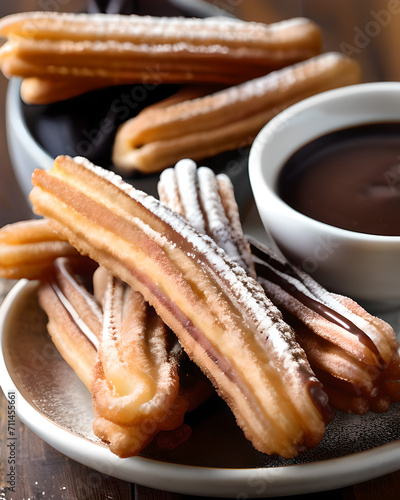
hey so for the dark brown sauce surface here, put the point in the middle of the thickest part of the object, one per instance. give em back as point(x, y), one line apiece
point(349, 179)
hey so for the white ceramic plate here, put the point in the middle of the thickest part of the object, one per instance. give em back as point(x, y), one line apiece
point(216, 461)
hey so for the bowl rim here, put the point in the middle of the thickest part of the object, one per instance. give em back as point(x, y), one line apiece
point(262, 189)
point(16, 120)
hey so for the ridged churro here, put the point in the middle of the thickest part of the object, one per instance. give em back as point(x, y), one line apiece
point(210, 303)
point(74, 317)
point(207, 202)
point(136, 390)
point(130, 49)
point(157, 138)
point(28, 249)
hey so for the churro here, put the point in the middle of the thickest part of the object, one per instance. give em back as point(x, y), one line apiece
point(120, 49)
point(29, 248)
point(157, 138)
point(210, 303)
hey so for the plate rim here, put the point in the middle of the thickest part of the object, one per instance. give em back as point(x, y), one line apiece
point(187, 479)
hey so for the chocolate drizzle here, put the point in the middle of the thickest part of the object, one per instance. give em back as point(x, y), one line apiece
point(267, 267)
point(320, 400)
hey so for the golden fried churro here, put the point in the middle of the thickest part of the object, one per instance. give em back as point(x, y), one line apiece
point(130, 49)
point(75, 319)
point(208, 203)
point(353, 353)
point(231, 118)
point(214, 308)
point(28, 249)
point(136, 383)
point(128, 359)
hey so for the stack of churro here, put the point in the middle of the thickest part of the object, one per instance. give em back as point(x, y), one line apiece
point(151, 301)
point(209, 302)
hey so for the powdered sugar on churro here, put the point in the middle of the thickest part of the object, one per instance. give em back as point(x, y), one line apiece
point(245, 293)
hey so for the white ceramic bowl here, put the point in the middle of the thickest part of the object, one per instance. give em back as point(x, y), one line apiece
point(26, 154)
point(363, 266)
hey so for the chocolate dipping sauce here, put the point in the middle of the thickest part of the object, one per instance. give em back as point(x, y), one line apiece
point(349, 179)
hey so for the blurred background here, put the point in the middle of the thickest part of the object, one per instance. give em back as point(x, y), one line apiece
point(367, 30)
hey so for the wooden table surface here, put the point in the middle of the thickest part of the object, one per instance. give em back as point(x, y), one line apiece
point(370, 31)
